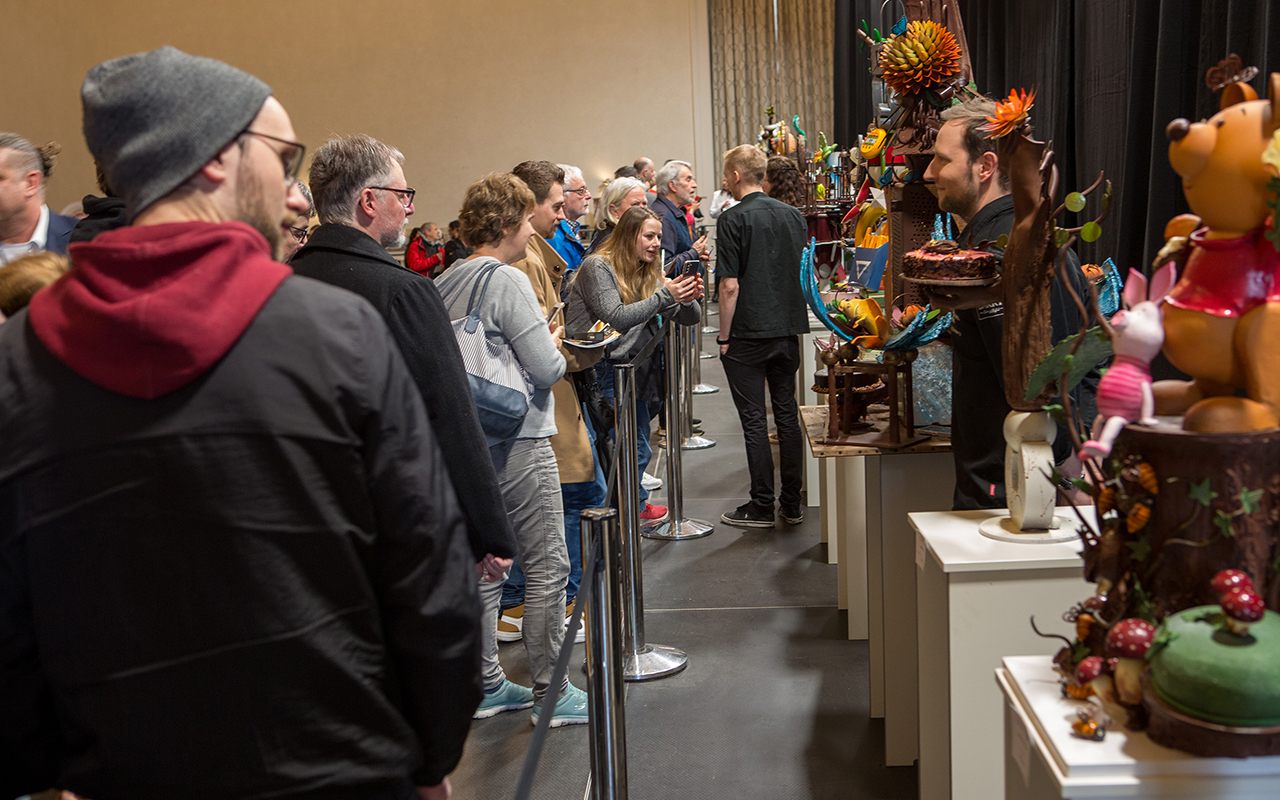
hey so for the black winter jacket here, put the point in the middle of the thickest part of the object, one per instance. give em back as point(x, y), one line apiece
point(411, 305)
point(256, 585)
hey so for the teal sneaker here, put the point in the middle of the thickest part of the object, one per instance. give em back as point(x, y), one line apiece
point(508, 697)
point(571, 709)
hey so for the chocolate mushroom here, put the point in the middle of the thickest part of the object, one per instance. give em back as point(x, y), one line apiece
point(1229, 579)
point(1092, 672)
point(1242, 607)
point(1129, 640)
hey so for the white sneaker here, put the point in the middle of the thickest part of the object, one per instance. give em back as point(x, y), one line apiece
point(650, 483)
point(582, 627)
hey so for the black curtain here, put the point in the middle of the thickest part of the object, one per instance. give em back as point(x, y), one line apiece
point(1109, 77)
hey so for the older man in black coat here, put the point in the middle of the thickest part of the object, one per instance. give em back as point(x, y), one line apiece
point(362, 199)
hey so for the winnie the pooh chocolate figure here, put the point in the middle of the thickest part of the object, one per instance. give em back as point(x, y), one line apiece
point(1222, 319)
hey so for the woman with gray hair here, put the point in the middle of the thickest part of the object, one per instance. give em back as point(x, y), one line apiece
point(620, 195)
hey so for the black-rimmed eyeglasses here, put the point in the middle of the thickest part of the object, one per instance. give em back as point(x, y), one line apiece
point(406, 195)
point(582, 192)
point(300, 234)
point(291, 157)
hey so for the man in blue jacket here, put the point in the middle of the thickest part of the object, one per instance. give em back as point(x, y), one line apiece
point(26, 223)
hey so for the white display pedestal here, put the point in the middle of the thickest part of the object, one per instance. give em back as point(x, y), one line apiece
point(1043, 760)
point(975, 597)
point(867, 493)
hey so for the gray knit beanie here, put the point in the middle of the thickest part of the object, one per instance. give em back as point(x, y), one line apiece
point(151, 120)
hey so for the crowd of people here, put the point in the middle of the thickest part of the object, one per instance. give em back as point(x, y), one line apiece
point(253, 486)
point(265, 482)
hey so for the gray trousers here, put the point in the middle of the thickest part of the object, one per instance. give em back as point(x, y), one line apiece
point(530, 486)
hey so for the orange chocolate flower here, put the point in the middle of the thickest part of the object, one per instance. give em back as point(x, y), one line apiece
point(1010, 113)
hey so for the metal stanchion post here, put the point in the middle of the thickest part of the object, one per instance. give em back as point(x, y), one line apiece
point(640, 661)
point(708, 274)
point(605, 707)
point(680, 363)
point(695, 366)
point(676, 525)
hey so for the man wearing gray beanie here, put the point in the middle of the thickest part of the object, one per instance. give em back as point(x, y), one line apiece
point(233, 563)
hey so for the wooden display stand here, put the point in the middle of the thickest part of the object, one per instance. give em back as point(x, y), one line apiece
point(900, 429)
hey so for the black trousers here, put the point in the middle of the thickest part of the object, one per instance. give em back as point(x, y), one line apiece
point(750, 365)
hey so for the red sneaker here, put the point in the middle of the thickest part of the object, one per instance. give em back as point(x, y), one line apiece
point(653, 513)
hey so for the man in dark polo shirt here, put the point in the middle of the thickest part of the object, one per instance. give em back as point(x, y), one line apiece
point(762, 311)
point(966, 175)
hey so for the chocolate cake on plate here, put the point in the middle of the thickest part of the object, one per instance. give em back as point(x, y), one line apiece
point(943, 260)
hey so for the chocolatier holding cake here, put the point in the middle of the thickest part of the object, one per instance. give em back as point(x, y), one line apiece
point(969, 184)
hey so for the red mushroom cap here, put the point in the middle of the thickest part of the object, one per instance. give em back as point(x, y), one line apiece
point(1112, 663)
point(1243, 603)
point(1130, 638)
point(1088, 669)
point(1093, 603)
point(1229, 579)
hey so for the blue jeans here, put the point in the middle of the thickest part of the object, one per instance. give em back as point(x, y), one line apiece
point(576, 497)
point(643, 423)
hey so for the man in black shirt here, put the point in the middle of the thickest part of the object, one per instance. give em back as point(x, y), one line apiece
point(762, 312)
point(965, 172)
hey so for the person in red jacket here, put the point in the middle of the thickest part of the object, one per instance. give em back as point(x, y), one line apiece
point(425, 254)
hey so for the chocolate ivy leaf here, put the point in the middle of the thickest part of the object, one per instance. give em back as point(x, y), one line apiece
point(1074, 202)
point(1222, 521)
point(1091, 232)
point(1095, 348)
point(1249, 500)
point(1201, 493)
point(1079, 652)
point(1139, 549)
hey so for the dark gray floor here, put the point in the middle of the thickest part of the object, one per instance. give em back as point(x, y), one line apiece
point(774, 701)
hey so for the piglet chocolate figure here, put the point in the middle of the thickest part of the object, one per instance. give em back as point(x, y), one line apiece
point(1124, 393)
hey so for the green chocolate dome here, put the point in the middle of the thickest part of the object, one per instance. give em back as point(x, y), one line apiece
point(1205, 671)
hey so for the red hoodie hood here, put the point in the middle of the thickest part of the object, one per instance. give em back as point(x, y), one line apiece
point(147, 310)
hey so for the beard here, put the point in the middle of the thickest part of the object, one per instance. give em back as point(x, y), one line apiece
point(961, 200)
point(392, 239)
point(251, 209)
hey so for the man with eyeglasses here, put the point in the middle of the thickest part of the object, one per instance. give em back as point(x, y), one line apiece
point(566, 241)
point(231, 555)
point(300, 228)
point(362, 200)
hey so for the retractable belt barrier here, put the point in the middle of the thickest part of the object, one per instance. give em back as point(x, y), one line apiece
point(611, 589)
point(676, 526)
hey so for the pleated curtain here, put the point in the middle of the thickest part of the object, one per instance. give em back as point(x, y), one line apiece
point(767, 53)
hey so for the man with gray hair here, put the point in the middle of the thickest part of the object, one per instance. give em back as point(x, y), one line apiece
point(677, 190)
point(566, 240)
point(231, 561)
point(301, 227)
point(362, 200)
point(26, 223)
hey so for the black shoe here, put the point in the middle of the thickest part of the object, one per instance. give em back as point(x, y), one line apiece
point(696, 421)
point(747, 516)
point(792, 516)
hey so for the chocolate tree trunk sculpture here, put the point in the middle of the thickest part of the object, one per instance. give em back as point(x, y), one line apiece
point(1029, 262)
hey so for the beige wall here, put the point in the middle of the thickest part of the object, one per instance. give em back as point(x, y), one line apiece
point(463, 88)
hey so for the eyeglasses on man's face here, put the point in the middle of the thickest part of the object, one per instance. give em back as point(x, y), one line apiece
point(581, 192)
point(405, 195)
point(291, 156)
point(300, 234)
